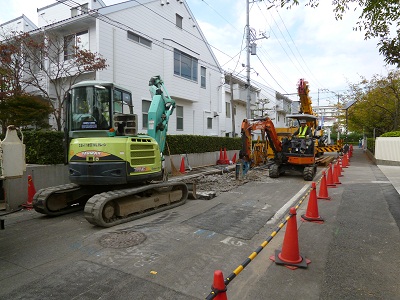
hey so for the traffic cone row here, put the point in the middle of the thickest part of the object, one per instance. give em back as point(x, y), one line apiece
point(223, 158)
point(290, 256)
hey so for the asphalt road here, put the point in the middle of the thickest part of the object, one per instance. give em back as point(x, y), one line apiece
point(354, 254)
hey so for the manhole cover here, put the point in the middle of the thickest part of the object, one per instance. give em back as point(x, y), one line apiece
point(122, 239)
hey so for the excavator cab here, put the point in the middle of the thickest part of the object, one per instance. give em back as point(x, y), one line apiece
point(298, 154)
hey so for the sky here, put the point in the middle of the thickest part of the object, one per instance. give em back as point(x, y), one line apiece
point(292, 44)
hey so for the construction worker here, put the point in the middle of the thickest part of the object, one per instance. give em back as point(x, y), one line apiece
point(303, 133)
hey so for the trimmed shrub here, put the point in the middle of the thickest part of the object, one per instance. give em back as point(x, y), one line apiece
point(391, 134)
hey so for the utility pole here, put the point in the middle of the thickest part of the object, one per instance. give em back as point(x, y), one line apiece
point(248, 115)
point(232, 106)
point(249, 39)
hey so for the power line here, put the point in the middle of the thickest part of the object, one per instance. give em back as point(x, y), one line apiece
point(108, 20)
point(311, 73)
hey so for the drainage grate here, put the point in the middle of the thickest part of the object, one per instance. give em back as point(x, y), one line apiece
point(122, 239)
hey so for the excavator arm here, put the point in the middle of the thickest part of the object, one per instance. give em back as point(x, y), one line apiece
point(161, 108)
point(267, 129)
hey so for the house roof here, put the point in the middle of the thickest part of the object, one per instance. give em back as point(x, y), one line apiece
point(25, 18)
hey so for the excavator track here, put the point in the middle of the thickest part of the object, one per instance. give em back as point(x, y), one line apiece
point(56, 200)
point(120, 206)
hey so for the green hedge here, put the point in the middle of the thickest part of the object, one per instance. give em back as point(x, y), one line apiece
point(371, 145)
point(391, 134)
point(179, 144)
point(46, 147)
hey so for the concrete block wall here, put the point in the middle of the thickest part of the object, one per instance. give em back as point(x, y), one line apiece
point(16, 189)
point(43, 176)
point(387, 151)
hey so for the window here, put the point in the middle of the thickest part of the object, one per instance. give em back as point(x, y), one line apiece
point(228, 109)
point(36, 62)
point(179, 21)
point(145, 113)
point(179, 117)
point(185, 65)
point(75, 41)
point(203, 77)
point(139, 39)
point(209, 123)
point(122, 102)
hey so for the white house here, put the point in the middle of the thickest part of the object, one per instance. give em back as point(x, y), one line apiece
point(140, 39)
point(20, 24)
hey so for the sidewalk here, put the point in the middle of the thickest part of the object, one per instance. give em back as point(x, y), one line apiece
point(355, 253)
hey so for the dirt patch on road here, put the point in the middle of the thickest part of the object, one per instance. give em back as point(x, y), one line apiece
point(226, 181)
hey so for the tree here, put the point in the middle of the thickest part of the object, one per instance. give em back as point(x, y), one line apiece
point(48, 64)
point(25, 110)
point(377, 104)
point(377, 19)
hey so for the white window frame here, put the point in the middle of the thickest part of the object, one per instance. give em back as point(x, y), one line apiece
point(203, 77)
point(145, 113)
point(75, 42)
point(209, 123)
point(184, 64)
point(228, 109)
point(179, 21)
point(139, 39)
point(179, 118)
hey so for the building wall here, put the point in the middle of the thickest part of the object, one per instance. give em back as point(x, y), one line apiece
point(60, 11)
point(133, 64)
point(20, 24)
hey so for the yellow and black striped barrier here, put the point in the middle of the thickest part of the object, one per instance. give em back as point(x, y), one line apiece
point(253, 255)
point(330, 149)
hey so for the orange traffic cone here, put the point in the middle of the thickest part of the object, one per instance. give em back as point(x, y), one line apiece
point(225, 155)
point(234, 158)
point(336, 173)
point(329, 180)
point(339, 167)
point(31, 193)
point(290, 256)
point(312, 214)
point(323, 189)
point(220, 154)
point(219, 287)
point(345, 161)
point(182, 168)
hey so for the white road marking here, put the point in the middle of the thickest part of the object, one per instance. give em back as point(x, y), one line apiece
point(279, 214)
